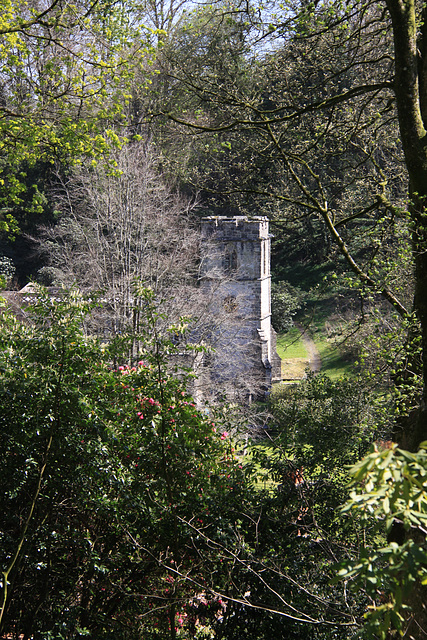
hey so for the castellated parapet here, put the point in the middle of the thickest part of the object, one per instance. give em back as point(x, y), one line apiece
point(235, 274)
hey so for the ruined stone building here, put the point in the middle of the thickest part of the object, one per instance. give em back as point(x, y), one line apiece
point(235, 278)
point(233, 300)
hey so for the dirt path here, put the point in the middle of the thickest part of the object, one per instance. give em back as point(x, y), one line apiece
point(314, 359)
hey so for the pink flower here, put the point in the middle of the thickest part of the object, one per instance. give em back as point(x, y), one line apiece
point(151, 401)
point(225, 435)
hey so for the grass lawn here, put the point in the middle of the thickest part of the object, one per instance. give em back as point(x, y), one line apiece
point(290, 345)
point(293, 353)
point(333, 364)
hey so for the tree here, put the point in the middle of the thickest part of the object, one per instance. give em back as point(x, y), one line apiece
point(65, 73)
point(289, 531)
point(125, 509)
point(120, 223)
point(331, 125)
point(104, 468)
point(127, 223)
point(286, 301)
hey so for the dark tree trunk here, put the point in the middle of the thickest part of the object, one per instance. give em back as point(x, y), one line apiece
point(410, 87)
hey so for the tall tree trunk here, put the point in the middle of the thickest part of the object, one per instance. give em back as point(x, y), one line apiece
point(410, 86)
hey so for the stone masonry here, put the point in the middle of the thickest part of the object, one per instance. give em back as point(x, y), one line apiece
point(235, 273)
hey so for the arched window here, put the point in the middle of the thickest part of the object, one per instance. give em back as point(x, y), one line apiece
point(230, 261)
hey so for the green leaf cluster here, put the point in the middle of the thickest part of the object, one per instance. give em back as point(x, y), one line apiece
point(390, 486)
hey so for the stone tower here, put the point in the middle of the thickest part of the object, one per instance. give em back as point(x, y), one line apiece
point(235, 274)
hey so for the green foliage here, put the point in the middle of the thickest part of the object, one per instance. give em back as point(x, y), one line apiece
point(292, 532)
point(7, 271)
point(125, 509)
point(324, 422)
point(390, 486)
point(103, 466)
point(286, 301)
point(66, 72)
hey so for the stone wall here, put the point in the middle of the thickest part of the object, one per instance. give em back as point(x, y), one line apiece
point(235, 273)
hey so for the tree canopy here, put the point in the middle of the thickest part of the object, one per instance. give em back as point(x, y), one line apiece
point(65, 80)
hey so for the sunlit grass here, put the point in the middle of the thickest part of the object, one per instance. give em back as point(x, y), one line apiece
point(295, 360)
point(333, 364)
point(290, 345)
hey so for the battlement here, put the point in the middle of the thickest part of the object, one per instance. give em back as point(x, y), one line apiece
point(239, 228)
